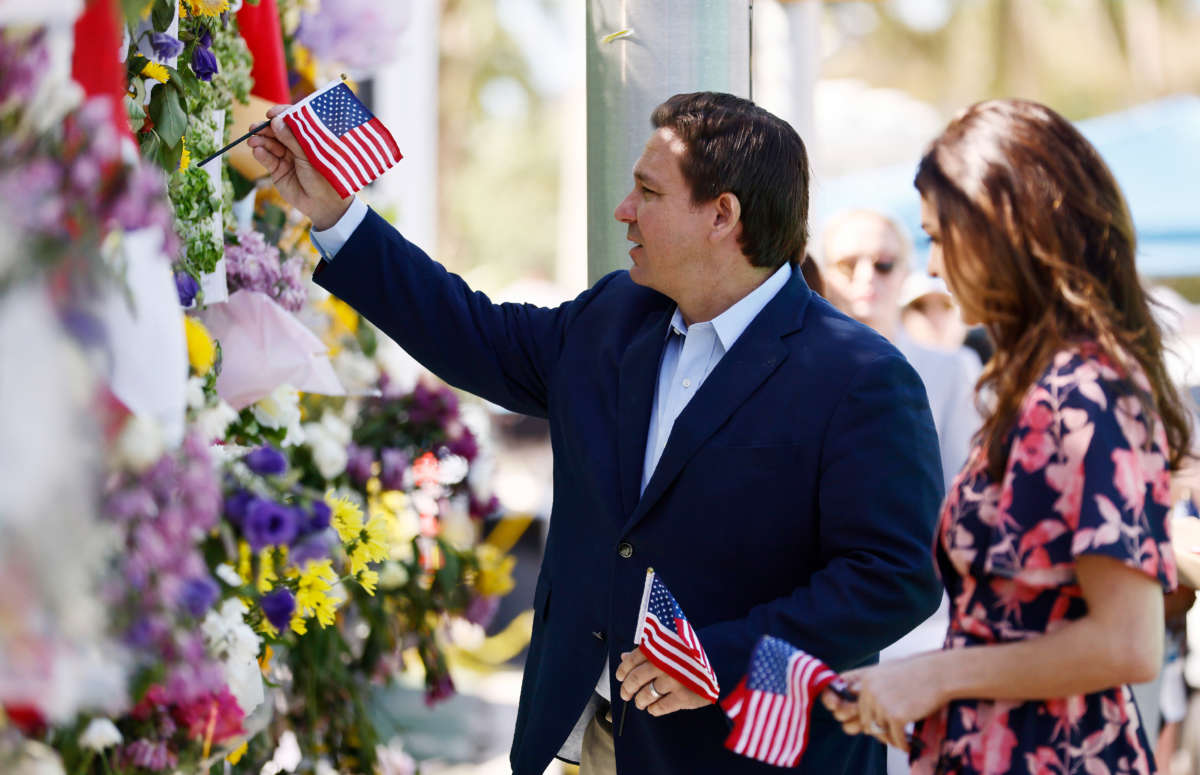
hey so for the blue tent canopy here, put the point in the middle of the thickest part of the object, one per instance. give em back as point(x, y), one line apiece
point(1153, 149)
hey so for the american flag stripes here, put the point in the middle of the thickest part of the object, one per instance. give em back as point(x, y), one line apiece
point(670, 642)
point(770, 708)
point(342, 139)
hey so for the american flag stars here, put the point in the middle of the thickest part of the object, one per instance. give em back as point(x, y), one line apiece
point(341, 138)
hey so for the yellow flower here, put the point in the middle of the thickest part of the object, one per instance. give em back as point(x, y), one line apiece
point(206, 7)
point(298, 625)
point(156, 71)
point(368, 579)
point(347, 519)
point(202, 350)
point(313, 596)
point(266, 571)
point(243, 566)
point(236, 754)
point(186, 158)
point(495, 570)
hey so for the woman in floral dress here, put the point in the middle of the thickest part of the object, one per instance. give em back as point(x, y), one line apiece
point(1052, 541)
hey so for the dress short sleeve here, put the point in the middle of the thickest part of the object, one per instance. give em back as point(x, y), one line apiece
point(1087, 474)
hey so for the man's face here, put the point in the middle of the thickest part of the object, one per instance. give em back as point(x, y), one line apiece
point(669, 231)
point(864, 268)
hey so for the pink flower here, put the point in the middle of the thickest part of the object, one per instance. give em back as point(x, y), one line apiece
point(993, 752)
point(217, 714)
point(1034, 450)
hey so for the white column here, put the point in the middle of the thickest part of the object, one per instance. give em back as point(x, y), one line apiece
point(640, 52)
point(406, 100)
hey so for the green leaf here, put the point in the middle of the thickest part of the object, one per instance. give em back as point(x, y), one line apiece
point(168, 158)
point(242, 185)
point(149, 145)
point(169, 114)
point(163, 14)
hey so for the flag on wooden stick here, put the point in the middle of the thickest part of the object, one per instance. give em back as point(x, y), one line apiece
point(670, 642)
point(342, 139)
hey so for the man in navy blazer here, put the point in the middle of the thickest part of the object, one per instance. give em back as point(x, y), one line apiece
point(773, 460)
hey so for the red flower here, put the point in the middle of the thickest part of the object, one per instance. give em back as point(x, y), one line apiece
point(216, 715)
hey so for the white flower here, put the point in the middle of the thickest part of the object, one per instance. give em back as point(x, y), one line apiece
point(226, 573)
point(357, 372)
point(214, 421)
point(452, 469)
point(33, 758)
point(231, 640)
point(287, 755)
point(100, 734)
point(393, 575)
point(457, 526)
point(328, 440)
point(392, 759)
point(325, 768)
point(281, 409)
point(140, 443)
point(465, 634)
point(195, 393)
point(402, 370)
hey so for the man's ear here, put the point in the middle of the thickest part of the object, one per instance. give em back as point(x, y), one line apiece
point(727, 216)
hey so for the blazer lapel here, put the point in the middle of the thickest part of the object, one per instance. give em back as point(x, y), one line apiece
point(756, 355)
point(638, 379)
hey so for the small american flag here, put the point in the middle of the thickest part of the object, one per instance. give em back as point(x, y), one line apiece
point(341, 138)
point(770, 707)
point(670, 642)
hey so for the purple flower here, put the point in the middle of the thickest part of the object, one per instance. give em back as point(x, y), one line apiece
point(198, 595)
point(441, 689)
point(187, 288)
point(465, 445)
point(236, 506)
point(268, 523)
point(278, 606)
point(432, 405)
point(359, 462)
point(266, 461)
point(131, 504)
point(482, 609)
point(319, 517)
point(147, 755)
point(395, 464)
point(314, 546)
point(355, 33)
point(204, 62)
point(165, 46)
point(483, 509)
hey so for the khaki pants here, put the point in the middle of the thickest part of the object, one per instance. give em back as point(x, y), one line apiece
point(598, 756)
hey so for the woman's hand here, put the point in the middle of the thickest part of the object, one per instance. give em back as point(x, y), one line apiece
point(890, 696)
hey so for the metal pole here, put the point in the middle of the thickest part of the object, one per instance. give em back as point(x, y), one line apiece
point(639, 52)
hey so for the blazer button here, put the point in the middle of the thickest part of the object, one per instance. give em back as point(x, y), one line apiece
point(625, 549)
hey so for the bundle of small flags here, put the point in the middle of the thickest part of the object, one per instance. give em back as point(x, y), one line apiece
point(770, 708)
point(342, 139)
point(670, 642)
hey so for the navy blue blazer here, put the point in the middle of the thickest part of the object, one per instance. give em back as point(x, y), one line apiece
point(796, 495)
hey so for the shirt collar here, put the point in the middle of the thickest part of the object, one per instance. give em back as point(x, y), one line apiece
point(731, 323)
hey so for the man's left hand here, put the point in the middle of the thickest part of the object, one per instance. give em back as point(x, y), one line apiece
point(651, 689)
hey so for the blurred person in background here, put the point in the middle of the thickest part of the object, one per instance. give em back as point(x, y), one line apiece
point(867, 259)
point(929, 314)
point(1053, 541)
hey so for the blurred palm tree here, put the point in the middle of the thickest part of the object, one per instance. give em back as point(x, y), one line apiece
point(1083, 57)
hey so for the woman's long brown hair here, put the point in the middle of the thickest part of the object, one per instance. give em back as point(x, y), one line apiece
point(1038, 243)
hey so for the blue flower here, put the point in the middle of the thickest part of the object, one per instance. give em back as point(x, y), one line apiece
point(279, 605)
point(236, 506)
point(198, 595)
point(268, 523)
point(266, 460)
point(187, 288)
point(204, 62)
point(165, 46)
point(320, 516)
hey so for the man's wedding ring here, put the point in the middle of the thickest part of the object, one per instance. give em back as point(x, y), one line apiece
point(653, 691)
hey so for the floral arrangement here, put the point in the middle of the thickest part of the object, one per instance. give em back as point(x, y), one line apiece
point(250, 583)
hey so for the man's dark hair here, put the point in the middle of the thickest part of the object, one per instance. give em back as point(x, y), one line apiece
point(734, 145)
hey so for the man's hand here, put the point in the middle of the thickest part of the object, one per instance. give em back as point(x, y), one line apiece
point(297, 180)
point(651, 689)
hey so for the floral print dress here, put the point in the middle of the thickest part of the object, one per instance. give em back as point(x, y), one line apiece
point(1085, 475)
